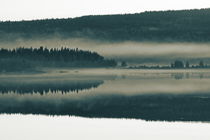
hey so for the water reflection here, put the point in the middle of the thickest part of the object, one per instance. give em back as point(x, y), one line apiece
point(148, 107)
point(148, 95)
point(49, 86)
point(35, 127)
point(179, 75)
point(188, 75)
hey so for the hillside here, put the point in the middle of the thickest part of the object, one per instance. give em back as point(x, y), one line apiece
point(181, 26)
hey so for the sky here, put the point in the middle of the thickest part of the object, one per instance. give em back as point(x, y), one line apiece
point(41, 9)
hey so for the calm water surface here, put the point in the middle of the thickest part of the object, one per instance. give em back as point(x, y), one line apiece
point(33, 127)
point(174, 103)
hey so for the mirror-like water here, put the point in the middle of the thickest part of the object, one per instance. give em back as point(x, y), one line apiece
point(167, 95)
point(33, 127)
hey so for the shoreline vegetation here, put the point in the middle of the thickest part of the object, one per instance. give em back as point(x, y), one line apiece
point(177, 64)
point(32, 59)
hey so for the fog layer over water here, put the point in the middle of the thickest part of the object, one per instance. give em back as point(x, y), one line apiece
point(172, 95)
point(133, 52)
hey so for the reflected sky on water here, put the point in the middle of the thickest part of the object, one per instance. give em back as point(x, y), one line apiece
point(167, 95)
point(33, 127)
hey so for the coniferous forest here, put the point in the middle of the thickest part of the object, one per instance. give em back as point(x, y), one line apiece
point(182, 26)
point(30, 58)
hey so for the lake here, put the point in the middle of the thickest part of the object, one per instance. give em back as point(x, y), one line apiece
point(33, 127)
point(106, 104)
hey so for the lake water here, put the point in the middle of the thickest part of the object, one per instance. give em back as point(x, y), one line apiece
point(105, 104)
point(33, 127)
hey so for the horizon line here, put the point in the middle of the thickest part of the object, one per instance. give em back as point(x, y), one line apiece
point(40, 19)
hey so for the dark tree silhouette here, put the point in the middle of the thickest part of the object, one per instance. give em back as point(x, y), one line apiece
point(201, 64)
point(23, 58)
point(183, 25)
point(187, 65)
point(178, 64)
point(123, 64)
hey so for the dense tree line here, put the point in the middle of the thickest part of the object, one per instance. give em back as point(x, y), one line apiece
point(183, 25)
point(28, 58)
point(44, 54)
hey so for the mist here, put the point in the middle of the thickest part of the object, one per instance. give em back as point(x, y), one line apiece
point(109, 93)
point(130, 51)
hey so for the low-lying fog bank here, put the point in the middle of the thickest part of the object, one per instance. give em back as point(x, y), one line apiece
point(132, 52)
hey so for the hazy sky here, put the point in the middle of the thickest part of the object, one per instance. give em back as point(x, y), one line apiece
point(39, 9)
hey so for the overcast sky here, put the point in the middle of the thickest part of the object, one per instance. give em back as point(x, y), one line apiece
point(39, 9)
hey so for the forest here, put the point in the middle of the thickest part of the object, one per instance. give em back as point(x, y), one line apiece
point(162, 26)
point(30, 58)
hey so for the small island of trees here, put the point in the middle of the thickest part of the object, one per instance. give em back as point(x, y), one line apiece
point(180, 64)
point(177, 64)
